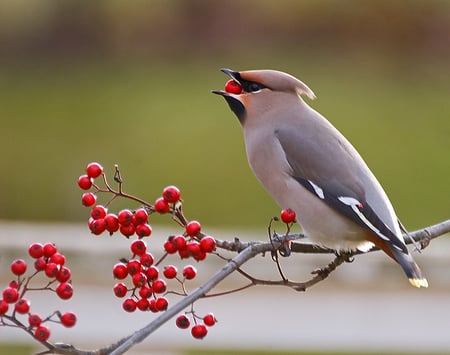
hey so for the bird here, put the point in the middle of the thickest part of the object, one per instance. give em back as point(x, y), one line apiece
point(307, 165)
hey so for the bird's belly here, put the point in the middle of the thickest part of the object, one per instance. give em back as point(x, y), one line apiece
point(320, 222)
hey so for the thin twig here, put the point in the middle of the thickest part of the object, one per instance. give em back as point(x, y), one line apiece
point(246, 251)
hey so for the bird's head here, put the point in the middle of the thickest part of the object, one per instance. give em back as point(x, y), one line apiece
point(255, 90)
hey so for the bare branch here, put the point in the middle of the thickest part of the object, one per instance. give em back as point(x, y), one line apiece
point(246, 251)
point(201, 291)
point(423, 236)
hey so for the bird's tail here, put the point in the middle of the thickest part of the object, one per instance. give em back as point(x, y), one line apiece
point(410, 268)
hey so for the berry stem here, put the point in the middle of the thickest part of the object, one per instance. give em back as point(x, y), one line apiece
point(119, 192)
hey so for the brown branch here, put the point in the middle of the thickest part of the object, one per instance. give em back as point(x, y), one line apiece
point(246, 251)
point(422, 236)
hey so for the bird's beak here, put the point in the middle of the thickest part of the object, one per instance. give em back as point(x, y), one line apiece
point(233, 75)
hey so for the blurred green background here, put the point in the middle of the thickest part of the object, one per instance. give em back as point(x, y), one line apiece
point(129, 82)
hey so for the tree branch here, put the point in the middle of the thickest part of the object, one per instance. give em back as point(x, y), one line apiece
point(246, 251)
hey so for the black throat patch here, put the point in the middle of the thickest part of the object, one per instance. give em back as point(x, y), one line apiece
point(237, 107)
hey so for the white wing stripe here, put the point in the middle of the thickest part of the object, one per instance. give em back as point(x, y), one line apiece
point(317, 190)
point(354, 203)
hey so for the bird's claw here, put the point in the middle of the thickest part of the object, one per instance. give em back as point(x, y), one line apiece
point(285, 245)
point(322, 272)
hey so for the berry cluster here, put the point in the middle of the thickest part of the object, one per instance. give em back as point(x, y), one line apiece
point(127, 222)
point(199, 330)
point(51, 263)
point(148, 288)
point(191, 244)
point(148, 280)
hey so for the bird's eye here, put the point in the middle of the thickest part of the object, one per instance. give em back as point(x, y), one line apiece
point(254, 87)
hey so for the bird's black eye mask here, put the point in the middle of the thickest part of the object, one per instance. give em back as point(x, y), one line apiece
point(248, 86)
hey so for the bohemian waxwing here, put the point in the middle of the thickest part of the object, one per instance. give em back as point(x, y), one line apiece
point(307, 165)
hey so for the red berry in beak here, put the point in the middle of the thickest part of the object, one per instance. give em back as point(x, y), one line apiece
point(233, 87)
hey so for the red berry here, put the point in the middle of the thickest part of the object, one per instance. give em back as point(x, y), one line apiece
point(288, 215)
point(51, 270)
point(180, 242)
point(184, 253)
point(99, 212)
point(42, 333)
point(57, 258)
point(10, 295)
point(161, 303)
point(49, 249)
point(145, 292)
point(199, 331)
point(36, 250)
point(120, 271)
point(68, 319)
point(170, 272)
point(34, 320)
point(40, 264)
point(138, 247)
point(84, 182)
point(127, 230)
point(94, 170)
point(162, 206)
point(3, 307)
point(14, 284)
point(233, 87)
point(183, 322)
point(63, 274)
point(139, 279)
point(22, 306)
point(171, 194)
point(152, 273)
point(134, 266)
point(129, 305)
point(88, 199)
point(208, 244)
point(141, 216)
point(194, 248)
point(96, 226)
point(18, 267)
point(143, 230)
point(189, 272)
point(159, 286)
point(111, 223)
point(201, 255)
point(193, 228)
point(152, 306)
point(64, 290)
point(170, 247)
point(209, 320)
point(125, 217)
point(146, 259)
point(143, 304)
point(120, 290)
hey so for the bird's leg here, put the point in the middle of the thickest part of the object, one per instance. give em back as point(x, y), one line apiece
point(341, 257)
point(285, 243)
point(347, 256)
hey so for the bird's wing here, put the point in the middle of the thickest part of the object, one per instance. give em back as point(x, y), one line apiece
point(326, 164)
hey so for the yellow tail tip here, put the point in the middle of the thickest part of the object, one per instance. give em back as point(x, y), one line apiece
point(419, 283)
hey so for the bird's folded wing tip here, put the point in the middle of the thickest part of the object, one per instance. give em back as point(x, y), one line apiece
point(419, 282)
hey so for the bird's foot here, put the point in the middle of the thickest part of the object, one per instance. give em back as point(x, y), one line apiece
point(347, 256)
point(285, 243)
point(323, 272)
